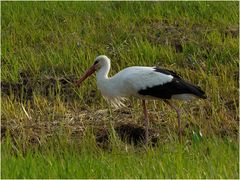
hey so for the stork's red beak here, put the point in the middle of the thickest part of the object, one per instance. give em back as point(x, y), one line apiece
point(88, 73)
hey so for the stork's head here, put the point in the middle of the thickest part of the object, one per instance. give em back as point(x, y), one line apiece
point(99, 62)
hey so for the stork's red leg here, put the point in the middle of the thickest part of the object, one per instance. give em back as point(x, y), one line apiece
point(178, 116)
point(145, 121)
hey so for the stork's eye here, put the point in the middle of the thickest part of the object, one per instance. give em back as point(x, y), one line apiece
point(96, 62)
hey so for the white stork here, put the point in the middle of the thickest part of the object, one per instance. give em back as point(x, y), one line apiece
point(143, 83)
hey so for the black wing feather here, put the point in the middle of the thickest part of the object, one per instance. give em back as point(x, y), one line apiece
point(176, 86)
point(168, 72)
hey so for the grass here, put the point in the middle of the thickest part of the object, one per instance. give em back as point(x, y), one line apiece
point(48, 45)
point(171, 160)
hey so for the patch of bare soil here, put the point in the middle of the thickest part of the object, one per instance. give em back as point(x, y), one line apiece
point(178, 34)
point(46, 86)
point(232, 31)
point(231, 105)
point(35, 133)
point(128, 133)
point(168, 35)
point(73, 125)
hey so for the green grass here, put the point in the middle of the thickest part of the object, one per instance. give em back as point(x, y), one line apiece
point(210, 158)
point(47, 45)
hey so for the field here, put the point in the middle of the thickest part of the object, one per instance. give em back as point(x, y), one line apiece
point(52, 129)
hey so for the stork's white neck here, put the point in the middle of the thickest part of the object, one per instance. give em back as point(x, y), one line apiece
point(102, 73)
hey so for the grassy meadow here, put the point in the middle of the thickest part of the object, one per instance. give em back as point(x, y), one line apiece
point(52, 129)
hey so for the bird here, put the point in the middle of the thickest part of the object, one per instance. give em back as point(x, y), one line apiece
point(144, 83)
